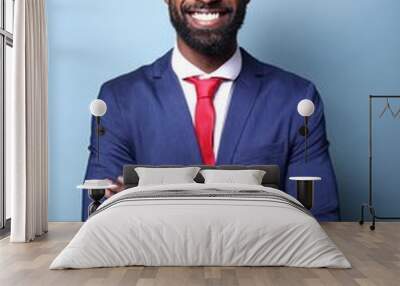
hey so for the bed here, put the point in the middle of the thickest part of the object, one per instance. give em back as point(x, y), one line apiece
point(201, 224)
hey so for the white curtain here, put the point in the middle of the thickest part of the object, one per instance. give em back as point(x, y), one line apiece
point(26, 124)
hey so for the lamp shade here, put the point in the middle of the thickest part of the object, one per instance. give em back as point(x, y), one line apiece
point(306, 108)
point(98, 107)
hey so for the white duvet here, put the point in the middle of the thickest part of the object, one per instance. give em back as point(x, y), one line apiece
point(200, 231)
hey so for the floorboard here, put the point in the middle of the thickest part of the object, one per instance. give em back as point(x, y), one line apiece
point(375, 257)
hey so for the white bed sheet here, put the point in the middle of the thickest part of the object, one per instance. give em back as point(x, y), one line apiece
point(200, 232)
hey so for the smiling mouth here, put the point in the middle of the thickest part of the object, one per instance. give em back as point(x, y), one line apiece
point(207, 18)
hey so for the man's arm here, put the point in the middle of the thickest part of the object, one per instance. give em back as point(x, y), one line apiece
point(115, 147)
point(318, 164)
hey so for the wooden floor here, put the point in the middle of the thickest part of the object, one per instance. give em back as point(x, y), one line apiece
point(375, 257)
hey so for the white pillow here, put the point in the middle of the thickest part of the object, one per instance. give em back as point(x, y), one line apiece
point(248, 177)
point(166, 176)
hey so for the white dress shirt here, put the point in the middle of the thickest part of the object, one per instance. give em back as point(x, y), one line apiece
point(229, 70)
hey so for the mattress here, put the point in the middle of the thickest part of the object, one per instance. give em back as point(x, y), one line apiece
point(201, 225)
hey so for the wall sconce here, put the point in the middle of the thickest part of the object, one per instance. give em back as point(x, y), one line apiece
point(305, 108)
point(98, 108)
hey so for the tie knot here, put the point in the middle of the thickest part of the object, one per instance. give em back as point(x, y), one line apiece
point(205, 88)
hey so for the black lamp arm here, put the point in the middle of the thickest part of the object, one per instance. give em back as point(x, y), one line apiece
point(100, 131)
point(304, 131)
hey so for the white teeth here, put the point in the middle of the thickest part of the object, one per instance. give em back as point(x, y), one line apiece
point(205, 16)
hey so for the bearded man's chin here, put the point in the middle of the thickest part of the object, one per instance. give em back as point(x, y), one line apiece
point(211, 44)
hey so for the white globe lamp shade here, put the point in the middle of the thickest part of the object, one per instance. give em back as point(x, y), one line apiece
point(98, 107)
point(306, 108)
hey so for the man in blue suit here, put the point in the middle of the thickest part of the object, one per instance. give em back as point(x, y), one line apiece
point(208, 101)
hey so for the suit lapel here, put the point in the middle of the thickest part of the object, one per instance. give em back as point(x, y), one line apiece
point(246, 90)
point(172, 99)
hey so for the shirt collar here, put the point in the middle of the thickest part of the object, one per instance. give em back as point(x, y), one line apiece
point(230, 70)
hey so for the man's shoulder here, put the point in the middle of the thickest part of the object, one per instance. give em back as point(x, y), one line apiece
point(141, 75)
point(277, 75)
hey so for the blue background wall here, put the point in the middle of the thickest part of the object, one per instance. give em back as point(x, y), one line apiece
point(349, 48)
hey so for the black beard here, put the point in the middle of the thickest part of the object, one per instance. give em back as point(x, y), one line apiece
point(210, 42)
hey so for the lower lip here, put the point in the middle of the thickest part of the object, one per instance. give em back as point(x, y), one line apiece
point(215, 23)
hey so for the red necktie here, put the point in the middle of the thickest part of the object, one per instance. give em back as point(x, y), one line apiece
point(205, 115)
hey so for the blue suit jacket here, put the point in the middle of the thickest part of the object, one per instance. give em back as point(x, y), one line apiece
point(148, 122)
